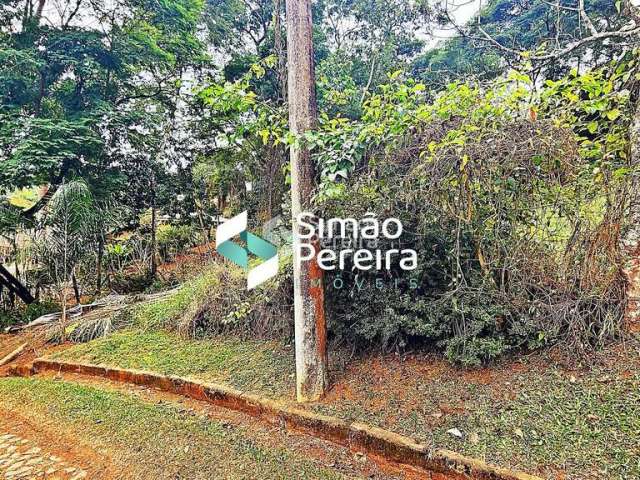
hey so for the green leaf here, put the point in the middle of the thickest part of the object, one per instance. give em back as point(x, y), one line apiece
point(464, 162)
point(613, 114)
point(264, 134)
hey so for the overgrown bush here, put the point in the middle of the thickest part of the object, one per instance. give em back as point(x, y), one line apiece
point(514, 198)
point(217, 301)
point(173, 239)
point(513, 194)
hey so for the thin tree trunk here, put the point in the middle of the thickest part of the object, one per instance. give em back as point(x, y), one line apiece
point(310, 323)
point(63, 317)
point(631, 239)
point(368, 85)
point(41, 89)
point(99, 257)
point(40, 9)
point(278, 46)
point(15, 255)
point(205, 230)
point(154, 266)
point(76, 290)
point(634, 140)
point(25, 14)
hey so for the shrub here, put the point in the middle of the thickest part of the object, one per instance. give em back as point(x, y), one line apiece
point(27, 313)
point(515, 202)
point(172, 239)
point(217, 301)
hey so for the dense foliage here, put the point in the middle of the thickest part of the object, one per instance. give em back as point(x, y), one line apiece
point(515, 200)
point(129, 129)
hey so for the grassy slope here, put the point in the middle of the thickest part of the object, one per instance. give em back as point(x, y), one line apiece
point(154, 441)
point(525, 414)
point(266, 367)
point(536, 417)
point(533, 415)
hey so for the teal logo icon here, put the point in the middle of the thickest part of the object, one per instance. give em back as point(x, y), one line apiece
point(237, 226)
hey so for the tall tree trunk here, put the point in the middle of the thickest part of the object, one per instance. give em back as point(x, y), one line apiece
point(631, 239)
point(76, 290)
point(634, 140)
point(39, 99)
point(40, 9)
point(25, 14)
point(310, 323)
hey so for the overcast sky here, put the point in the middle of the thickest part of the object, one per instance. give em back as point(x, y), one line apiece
point(462, 12)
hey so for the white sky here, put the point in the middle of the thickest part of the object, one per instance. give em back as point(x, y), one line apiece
point(462, 11)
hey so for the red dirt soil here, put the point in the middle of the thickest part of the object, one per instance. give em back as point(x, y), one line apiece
point(55, 441)
point(373, 382)
point(77, 451)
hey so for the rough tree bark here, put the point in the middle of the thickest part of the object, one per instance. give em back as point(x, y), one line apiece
point(310, 323)
point(634, 139)
point(76, 289)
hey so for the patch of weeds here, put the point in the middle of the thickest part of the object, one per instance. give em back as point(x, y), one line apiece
point(541, 419)
point(216, 302)
point(589, 429)
point(26, 314)
point(166, 312)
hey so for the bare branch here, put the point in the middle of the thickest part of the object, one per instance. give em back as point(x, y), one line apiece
point(631, 11)
point(585, 18)
point(73, 13)
point(619, 34)
point(561, 7)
